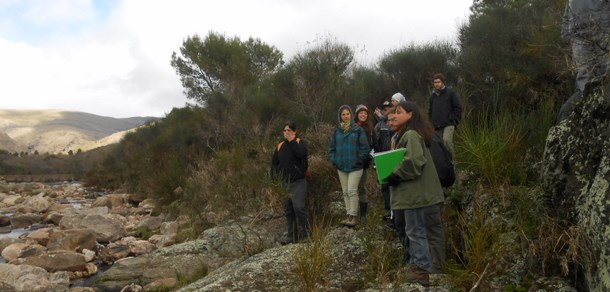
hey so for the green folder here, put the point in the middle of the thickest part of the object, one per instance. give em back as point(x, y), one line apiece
point(386, 161)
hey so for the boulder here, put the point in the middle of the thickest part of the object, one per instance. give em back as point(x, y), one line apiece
point(14, 250)
point(150, 223)
point(12, 200)
point(4, 242)
point(41, 236)
point(55, 261)
point(72, 240)
point(30, 278)
point(140, 247)
point(106, 227)
point(576, 172)
point(25, 220)
point(112, 201)
point(36, 204)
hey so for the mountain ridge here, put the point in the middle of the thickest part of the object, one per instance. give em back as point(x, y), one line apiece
point(59, 131)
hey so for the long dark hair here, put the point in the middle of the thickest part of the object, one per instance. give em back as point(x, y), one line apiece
point(418, 122)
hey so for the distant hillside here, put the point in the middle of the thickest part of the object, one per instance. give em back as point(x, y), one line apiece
point(56, 131)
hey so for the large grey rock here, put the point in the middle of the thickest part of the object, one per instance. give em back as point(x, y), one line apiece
point(216, 247)
point(275, 269)
point(576, 174)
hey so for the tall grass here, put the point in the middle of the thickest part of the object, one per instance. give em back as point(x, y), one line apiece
point(313, 259)
point(503, 147)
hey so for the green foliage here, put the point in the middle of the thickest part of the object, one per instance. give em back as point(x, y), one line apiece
point(318, 80)
point(487, 148)
point(219, 66)
point(513, 49)
point(410, 69)
point(157, 158)
point(368, 86)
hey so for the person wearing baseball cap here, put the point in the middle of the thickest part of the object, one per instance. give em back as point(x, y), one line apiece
point(382, 135)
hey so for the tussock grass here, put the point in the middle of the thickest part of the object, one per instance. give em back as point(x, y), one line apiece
point(490, 149)
point(313, 259)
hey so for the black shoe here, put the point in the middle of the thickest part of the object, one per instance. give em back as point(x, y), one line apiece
point(286, 240)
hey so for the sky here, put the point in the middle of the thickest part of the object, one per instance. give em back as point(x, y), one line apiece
point(112, 57)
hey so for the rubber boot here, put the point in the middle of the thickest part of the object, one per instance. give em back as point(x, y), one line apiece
point(363, 207)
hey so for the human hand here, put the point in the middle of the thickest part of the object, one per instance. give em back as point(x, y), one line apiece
point(378, 112)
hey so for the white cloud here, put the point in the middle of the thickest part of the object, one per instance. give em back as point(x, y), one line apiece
point(117, 62)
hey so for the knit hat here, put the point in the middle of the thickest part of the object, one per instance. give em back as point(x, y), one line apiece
point(361, 107)
point(398, 97)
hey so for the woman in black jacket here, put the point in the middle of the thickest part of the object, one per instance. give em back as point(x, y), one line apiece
point(289, 163)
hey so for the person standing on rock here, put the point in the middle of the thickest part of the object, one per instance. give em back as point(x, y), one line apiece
point(289, 163)
point(348, 151)
point(586, 27)
point(382, 136)
point(414, 185)
point(363, 120)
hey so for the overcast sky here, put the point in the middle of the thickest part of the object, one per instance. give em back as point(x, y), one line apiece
point(112, 57)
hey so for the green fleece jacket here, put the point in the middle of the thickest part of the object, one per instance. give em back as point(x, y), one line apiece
point(419, 184)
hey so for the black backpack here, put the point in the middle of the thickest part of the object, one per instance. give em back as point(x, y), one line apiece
point(443, 161)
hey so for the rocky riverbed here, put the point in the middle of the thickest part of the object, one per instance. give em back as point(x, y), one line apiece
point(54, 237)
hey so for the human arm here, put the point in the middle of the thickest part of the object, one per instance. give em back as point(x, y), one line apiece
point(456, 109)
point(332, 150)
point(364, 148)
point(275, 163)
point(414, 158)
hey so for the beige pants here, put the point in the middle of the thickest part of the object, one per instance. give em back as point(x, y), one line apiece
point(349, 186)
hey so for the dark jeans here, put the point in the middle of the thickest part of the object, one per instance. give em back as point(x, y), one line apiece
point(295, 210)
point(434, 232)
point(385, 191)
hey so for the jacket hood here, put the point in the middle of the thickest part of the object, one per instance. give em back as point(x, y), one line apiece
point(341, 109)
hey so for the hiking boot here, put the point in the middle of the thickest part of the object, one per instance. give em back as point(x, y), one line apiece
point(418, 275)
point(286, 240)
point(387, 216)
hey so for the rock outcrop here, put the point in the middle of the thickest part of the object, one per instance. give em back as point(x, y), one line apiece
point(576, 173)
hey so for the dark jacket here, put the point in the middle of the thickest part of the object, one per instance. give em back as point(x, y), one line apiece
point(445, 108)
point(382, 136)
point(290, 160)
point(349, 151)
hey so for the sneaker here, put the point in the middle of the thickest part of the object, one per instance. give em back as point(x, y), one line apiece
point(346, 221)
point(418, 275)
point(351, 221)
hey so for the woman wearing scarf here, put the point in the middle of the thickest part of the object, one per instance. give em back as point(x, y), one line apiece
point(349, 152)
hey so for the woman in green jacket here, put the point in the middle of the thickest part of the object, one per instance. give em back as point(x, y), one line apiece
point(414, 184)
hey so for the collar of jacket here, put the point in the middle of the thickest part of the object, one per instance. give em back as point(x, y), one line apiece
point(438, 92)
